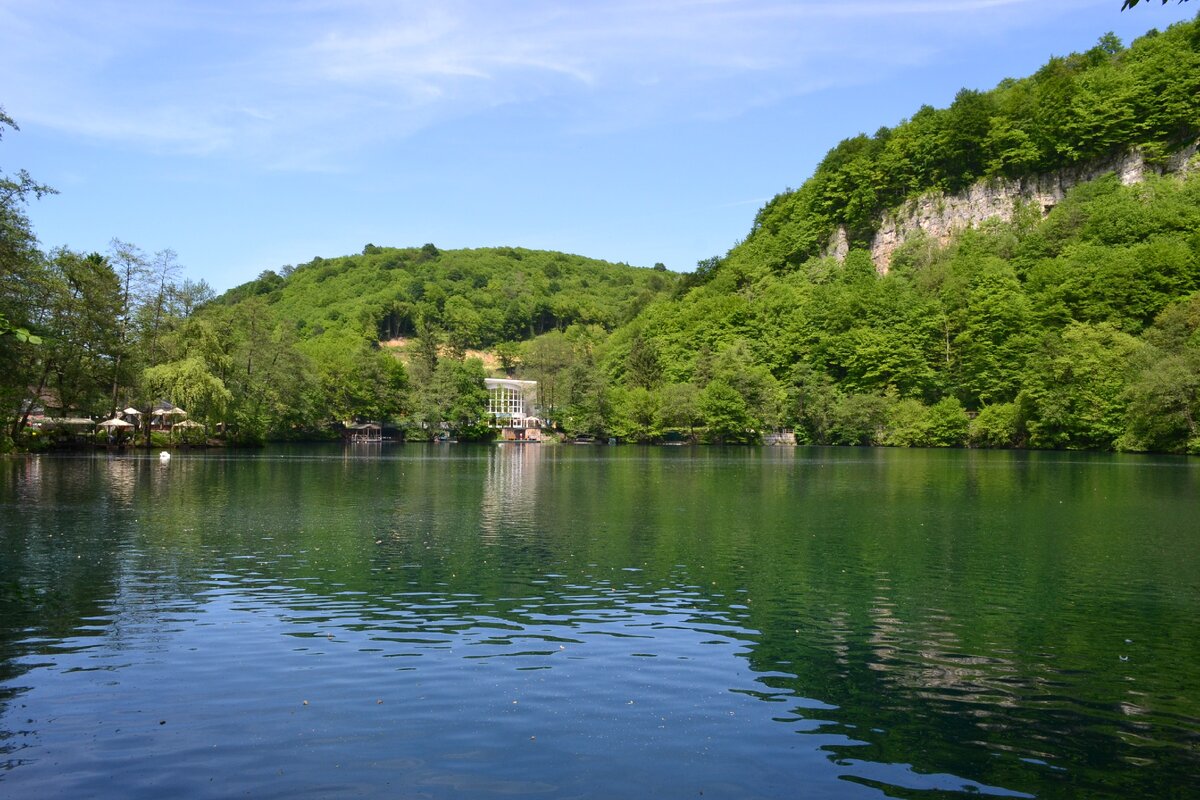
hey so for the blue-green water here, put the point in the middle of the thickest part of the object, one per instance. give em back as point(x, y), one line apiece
point(539, 621)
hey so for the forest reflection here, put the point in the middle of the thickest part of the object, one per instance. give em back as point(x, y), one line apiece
point(955, 614)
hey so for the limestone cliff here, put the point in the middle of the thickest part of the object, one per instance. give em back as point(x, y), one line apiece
point(939, 216)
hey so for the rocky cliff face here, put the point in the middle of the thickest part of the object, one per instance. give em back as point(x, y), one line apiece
point(940, 216)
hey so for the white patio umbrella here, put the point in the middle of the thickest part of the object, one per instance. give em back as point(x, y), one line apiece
point(115, 423)
point(164, 414)
point(185, 428)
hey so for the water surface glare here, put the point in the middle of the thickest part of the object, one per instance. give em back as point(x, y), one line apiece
point(540, 621)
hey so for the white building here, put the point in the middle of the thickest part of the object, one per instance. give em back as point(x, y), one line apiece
point(512, 408)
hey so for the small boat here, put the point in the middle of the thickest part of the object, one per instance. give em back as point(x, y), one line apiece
point(164, 456)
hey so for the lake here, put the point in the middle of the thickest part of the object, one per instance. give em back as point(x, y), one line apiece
point(587, 621)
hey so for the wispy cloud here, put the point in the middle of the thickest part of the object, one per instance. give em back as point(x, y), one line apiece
point(303, 84)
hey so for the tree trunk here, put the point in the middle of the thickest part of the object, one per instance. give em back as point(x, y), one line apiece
point(23, 415)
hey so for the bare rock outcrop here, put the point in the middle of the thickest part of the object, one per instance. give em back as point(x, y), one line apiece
point(939, 216)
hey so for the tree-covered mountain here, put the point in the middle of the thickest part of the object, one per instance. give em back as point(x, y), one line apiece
point(1072, 324)
point(1078, 329)
point(1074, 110)
point(477, 297)
point(330, 317)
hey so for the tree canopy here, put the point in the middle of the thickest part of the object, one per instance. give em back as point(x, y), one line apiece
point(1132, 3)
point(1075, 110)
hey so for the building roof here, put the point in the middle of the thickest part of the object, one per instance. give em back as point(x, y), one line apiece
point(508, 383)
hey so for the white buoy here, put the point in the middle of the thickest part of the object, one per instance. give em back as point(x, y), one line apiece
point(164, 456)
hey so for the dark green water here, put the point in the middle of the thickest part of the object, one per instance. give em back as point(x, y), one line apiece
point(433, 621)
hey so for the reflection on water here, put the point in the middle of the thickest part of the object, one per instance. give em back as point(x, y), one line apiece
point(599, 622)
point(510, 497)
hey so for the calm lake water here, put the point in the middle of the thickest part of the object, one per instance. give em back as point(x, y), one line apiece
point(455, 621)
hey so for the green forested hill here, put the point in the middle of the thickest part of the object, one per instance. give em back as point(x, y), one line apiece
point(326, 319)
point(1074, 110)
point(1077, 330)
point(477, 297)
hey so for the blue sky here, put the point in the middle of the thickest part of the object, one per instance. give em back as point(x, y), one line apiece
point(252, 134)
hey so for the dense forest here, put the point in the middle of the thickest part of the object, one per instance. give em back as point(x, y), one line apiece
point(1076, 328)
point(293, 355)
point(1074, 110)
point(1078, 331)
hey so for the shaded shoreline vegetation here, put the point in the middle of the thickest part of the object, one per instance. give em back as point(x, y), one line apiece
point(1075, 327)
